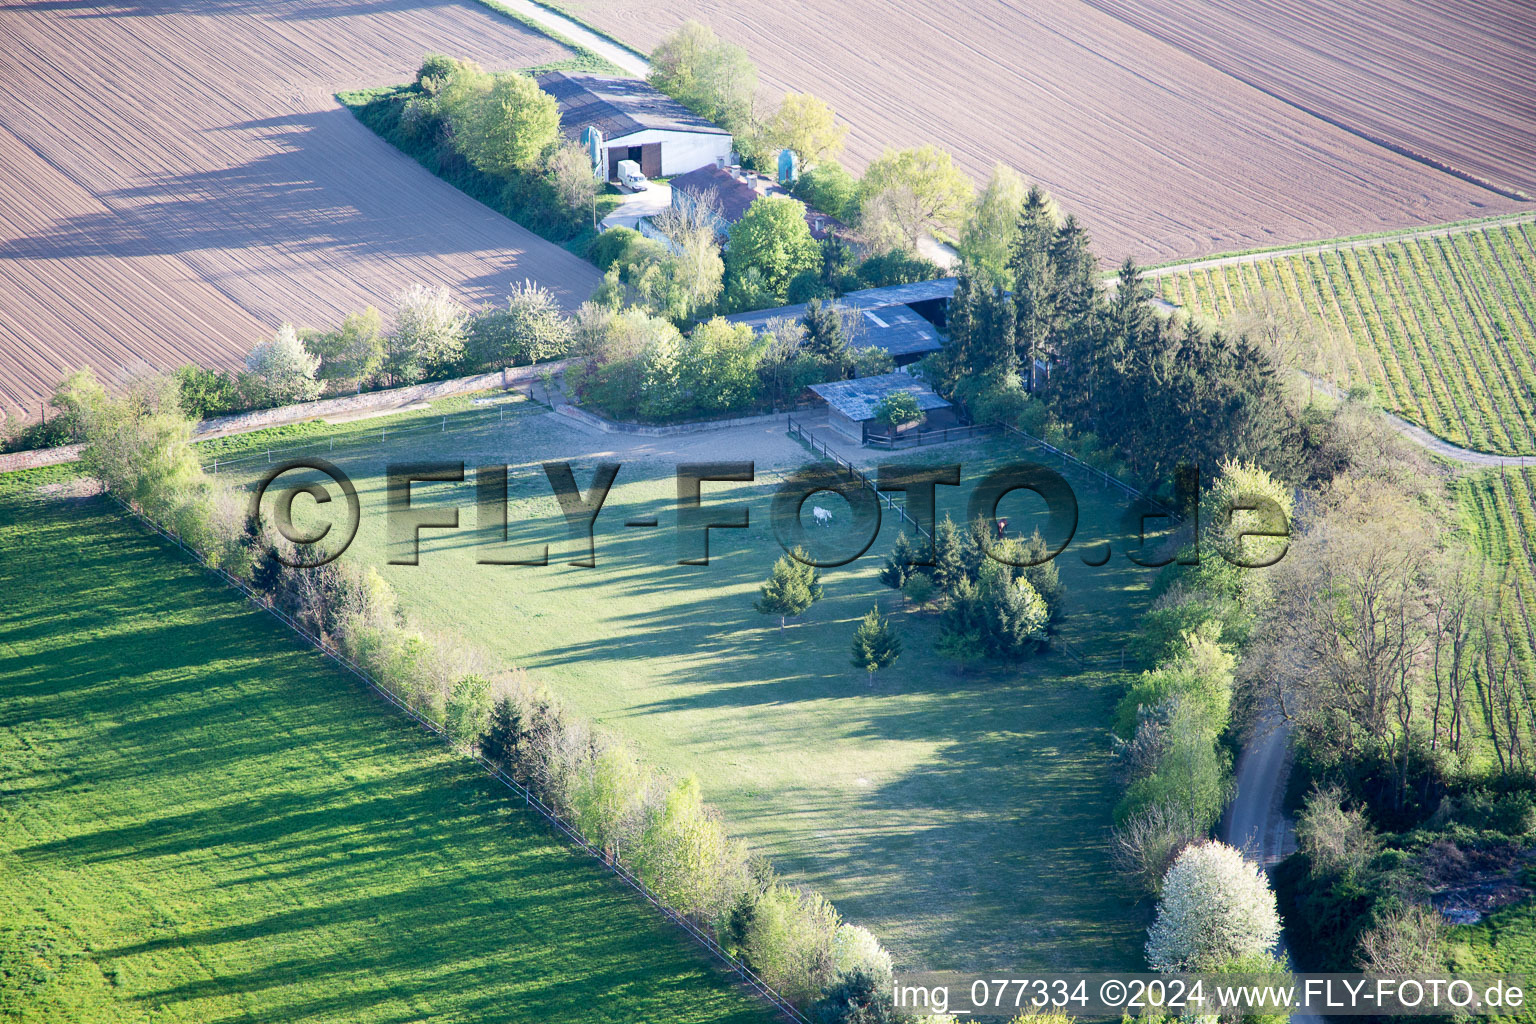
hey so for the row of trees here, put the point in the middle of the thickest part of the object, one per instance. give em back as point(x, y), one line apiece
point(1172, 727)
point(659, 827)
point(431, 336)
point(505, 127)
point(634, 365)
point(1126, 386)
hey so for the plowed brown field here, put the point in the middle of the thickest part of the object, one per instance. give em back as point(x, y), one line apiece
point(176, 179)
point(1162, 154)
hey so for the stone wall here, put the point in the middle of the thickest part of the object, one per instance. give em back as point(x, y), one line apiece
point(244, 422)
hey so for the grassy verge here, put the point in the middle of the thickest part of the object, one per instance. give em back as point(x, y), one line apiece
point(961, 816)
point(202, 820)
point(1512, 218)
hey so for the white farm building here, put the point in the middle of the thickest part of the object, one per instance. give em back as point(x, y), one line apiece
point(634, 121)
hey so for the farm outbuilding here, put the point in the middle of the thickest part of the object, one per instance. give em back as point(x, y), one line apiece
point(731, 190)
point(634, 121)
point(903, 319)
point(851, 404)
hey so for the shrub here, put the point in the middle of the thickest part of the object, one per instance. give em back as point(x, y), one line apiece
point(789, 941)
point(206, 393)
point(354, 351)
point(1147, 842)
point(531, 329)
point(829, 187)
point(683, 855)
point(897, 409)
point(772, 238)
point(427, 337)
point(855, 949)
point(284, 369)
point(611, 248)
point(1335, 841)
point(857, 997)
point(1215, 908)
point(896, 267)
point(503, 123)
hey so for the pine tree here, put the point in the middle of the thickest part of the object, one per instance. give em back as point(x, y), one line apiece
point(824, 337)
point(1030, 262)
point(503, 734)
point(875, 644)
point(1015, 617)
point(792, 587)
point(898, 564)
point(1043, 575)
point(948, 556)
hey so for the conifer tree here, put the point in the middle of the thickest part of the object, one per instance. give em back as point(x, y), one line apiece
point(1030, 263)
point(898, 566)
point(948, 556)
point(875, 644)
point(792, 587)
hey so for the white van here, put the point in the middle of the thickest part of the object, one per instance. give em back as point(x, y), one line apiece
point(630, 176)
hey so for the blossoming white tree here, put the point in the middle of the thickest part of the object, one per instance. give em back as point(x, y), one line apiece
point(1216, 908)
point(855, 948)
point(285, 368)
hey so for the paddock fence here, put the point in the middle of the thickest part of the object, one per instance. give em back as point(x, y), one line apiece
point(748, 978)
point(494, 413)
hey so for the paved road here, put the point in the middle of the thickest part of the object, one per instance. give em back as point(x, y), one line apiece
point(1467, 458)
point(1255, 821)
point(625, 58)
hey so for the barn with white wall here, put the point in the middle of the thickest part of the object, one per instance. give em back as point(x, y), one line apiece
point(634, 122)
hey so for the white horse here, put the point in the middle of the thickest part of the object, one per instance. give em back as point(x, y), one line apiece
point(823, 516)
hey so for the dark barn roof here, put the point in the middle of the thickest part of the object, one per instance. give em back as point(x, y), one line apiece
point(858, 398)
point(618, 106)
point(886, 320)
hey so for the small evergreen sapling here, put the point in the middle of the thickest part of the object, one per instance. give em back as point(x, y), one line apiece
point(875, 644)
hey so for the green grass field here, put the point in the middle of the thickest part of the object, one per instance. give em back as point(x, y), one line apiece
point(962, 817)
point(203, 820)
point(1443, 327)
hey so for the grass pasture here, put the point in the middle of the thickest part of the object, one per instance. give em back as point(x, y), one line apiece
point(203, 820)
point(1441, 325)
point(962, 817)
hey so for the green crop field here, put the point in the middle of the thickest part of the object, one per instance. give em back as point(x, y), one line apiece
point(1442, 326)
point(203, 820)
point(961, 816)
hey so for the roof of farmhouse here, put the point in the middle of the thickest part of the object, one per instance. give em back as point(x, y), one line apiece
point(618, 106)
point(886, 320)
point(858, 398)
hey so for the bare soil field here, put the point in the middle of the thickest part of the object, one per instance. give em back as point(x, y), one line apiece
point(1160, 153)
point(1453, 83)
point(176, 179)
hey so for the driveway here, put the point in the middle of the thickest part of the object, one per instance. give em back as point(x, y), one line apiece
point(637, 205)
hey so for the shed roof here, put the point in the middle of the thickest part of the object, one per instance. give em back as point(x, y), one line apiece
point(857, 399)
point(886, 321)
point(618, 106)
